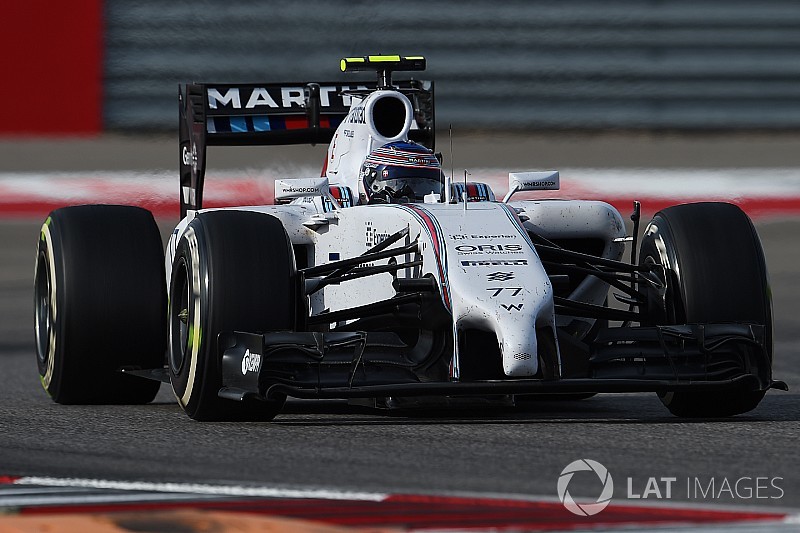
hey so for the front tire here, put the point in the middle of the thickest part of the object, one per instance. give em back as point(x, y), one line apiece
point(233, 271)
point(716, 273)
point(100, 304)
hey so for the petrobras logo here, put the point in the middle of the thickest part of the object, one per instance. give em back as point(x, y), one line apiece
point(251, 362)
point(603, 499)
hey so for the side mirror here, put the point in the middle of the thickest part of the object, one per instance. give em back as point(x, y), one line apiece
point(287, 190)
point(547, 180)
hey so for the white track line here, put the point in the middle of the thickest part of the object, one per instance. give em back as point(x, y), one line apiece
point(203, 489)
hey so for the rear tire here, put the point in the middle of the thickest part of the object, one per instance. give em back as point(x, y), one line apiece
point(717, 274)
point(100, 304)
point(233, 271)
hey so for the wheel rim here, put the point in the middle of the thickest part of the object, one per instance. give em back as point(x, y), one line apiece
point(668, 315)
point(179, 319)
point(43, 317)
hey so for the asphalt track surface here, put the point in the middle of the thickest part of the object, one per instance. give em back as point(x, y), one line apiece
point(519, 451)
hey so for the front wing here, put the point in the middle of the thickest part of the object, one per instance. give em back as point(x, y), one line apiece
point(369, 365)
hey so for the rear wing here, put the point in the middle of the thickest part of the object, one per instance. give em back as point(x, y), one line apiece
point(274, 114)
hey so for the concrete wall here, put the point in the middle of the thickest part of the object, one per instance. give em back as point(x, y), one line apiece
point(687, 65)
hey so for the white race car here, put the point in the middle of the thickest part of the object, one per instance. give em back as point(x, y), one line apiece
point(385, 281)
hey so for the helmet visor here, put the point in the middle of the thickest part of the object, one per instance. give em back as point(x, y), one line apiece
point(408, 181)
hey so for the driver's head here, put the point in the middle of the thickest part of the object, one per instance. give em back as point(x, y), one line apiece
point(400, 171)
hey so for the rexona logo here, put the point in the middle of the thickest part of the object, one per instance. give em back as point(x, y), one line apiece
point(585, 509)
point(251, 362)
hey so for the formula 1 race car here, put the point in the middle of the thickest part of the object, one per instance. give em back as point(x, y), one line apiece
point(386, 281)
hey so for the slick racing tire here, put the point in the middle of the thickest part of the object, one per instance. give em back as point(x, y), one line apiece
point(100, 304)
point(716, 274)
point(233, 271)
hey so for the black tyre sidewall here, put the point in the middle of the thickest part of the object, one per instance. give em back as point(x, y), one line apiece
point(195, 386)
point(717, 274)
point(109, 291)
point(51, 364)
point(241, 267)
point(717, 283)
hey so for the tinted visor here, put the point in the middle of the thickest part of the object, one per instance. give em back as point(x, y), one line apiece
point(405, 180)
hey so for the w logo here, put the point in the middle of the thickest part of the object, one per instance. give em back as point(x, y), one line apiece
point(509, 307)
point(585, 509)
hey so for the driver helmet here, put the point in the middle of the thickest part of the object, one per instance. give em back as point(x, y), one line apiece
point(400, 171)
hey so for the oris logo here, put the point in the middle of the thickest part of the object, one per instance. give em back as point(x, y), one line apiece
point(251, 362)
point(585, 509)
point(489, 248)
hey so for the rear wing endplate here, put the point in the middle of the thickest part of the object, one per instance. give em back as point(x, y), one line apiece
point(273, 114)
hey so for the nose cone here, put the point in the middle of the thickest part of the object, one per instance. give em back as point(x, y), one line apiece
point(517, 332)
point(497, 282)
point(512, 312)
